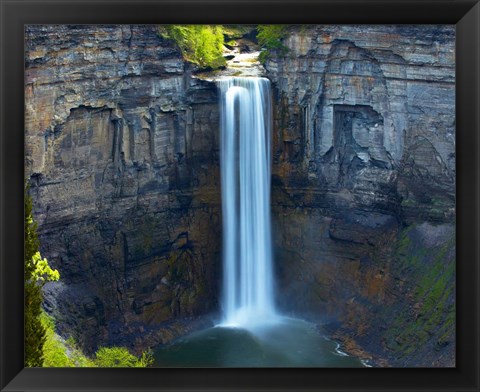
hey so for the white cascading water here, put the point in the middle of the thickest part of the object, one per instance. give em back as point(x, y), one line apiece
point(248, 295)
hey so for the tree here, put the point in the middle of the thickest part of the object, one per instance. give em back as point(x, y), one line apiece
point(36, 273)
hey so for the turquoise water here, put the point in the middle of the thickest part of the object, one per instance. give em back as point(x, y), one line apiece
point(287, 343)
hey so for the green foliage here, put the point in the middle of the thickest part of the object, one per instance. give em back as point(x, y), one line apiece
point(36, 273)
point(31, 239)
point(145, 360)
point(232, 31)
point(54, 353)
point(34, 330)
point(431, 314)
point(65, 353)
point(120, 357)
point(232, 42)
point(200, 44)
point(42, 271)
point(270, 38)
point(60, 353)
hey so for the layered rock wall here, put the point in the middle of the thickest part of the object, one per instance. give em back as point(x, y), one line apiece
point(360, 108)
point(122, 156)
point(364, 147)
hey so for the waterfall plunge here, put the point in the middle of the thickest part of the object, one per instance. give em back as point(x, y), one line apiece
point(248, 295)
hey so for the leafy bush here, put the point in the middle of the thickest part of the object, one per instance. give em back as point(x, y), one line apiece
point(200, 44)
point(42, 272)
point(120, 357)
point(60, 353)
point(270, 38)
point(54, 353)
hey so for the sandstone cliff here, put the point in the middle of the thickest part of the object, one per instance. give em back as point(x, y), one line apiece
point(122, 152)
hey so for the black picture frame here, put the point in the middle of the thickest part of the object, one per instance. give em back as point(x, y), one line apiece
point(465, 14)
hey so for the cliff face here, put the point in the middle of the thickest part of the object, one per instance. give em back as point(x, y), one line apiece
point(364, 153)
point(122, 152)
point(122, 156)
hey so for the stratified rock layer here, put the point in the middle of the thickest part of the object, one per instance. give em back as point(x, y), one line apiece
point(122, 150)
point(364, 146)
point(122, 155)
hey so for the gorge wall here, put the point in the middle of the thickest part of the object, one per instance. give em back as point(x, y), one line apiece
point(123, 164)
point(122, 156)
point(364, 167)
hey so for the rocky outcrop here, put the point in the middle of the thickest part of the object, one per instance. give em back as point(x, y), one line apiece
point(364, 149)
point(122, 155)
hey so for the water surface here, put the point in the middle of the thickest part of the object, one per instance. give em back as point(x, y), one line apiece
point(286, 343)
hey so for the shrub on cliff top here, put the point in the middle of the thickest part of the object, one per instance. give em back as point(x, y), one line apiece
point(200, 44)
point(270, 38)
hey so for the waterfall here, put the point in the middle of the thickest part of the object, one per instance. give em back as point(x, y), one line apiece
point(248, 294)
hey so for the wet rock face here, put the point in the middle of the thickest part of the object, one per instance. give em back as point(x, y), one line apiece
point(363, 145)
point(122, 151)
